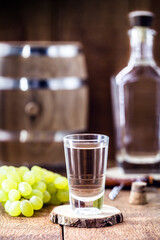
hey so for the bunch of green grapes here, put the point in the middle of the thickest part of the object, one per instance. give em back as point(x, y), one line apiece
point(22, 191)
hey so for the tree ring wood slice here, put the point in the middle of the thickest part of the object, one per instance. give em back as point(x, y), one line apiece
point(64, 215)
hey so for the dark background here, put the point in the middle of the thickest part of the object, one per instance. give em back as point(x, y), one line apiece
point(101, 25)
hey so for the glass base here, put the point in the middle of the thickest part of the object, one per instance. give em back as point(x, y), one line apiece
point(87, 206)
point(87, 211)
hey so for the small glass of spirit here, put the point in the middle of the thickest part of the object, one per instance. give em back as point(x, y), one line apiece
point(86, 162)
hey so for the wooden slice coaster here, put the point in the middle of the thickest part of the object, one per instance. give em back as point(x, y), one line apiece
point(64, 215)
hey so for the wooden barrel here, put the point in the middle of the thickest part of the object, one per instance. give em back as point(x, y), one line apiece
point(43, 96)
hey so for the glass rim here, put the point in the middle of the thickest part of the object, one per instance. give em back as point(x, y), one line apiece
point(100, 137)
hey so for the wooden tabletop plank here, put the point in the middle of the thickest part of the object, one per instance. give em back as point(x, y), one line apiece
point(37, 227)
point(140, 221)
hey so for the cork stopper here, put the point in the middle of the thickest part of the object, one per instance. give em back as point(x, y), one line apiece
point(138, 193)
point(141, 18)
point(139, 187)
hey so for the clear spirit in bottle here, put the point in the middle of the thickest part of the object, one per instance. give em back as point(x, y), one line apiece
point(136, 102)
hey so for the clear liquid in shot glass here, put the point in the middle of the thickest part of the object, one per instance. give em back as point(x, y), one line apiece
point(86, 175)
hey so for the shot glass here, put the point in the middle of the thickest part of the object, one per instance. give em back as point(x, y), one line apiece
point(86, 163)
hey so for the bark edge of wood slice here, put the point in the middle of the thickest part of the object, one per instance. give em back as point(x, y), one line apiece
point(64, 215)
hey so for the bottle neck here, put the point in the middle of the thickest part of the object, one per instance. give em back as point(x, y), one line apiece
point(141, 41)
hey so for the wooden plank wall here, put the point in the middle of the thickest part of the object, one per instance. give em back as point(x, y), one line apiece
point(102, 28)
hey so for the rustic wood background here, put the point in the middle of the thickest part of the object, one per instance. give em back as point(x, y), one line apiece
point(101, 25)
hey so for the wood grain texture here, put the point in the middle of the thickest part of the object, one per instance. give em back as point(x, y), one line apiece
point(140, 222)
point(64, 110)
point(37, 227)
point(63, 215)
point(60, 111)
point(102, 28)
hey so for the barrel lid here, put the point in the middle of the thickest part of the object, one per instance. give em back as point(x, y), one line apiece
point(141, 18)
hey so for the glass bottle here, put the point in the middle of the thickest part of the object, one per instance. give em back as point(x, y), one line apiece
point(136, 102)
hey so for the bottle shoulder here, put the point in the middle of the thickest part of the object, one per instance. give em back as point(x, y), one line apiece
point(138, 73)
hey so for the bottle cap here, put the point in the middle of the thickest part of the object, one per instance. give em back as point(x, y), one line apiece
point(141, 18)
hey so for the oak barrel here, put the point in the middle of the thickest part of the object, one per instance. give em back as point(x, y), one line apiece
point(43, 96)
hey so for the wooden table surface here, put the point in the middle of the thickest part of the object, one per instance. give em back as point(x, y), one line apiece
point(140, 222)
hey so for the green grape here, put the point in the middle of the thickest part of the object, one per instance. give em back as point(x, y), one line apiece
point(46, 196)
point(36, 202)
point(3, 169)
point(22, 199)
point(26, 208)
point(14, 176)
point(48, 176)
point(22, 170)
point(51, 188)
point(14, 195)
point(12, 169)
point(61, 182)
point(66, 188)
point(37, 175)
point(40, 186)
point(2, 177)
point(3, 196)
point(29, 177)
point(57, 175)
point(35, 192)
point(54, 200)
point(14, 209)
point(7, 205)
point(25, 188)
point(8, 185)
point(36, 169)
point(63, 195)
